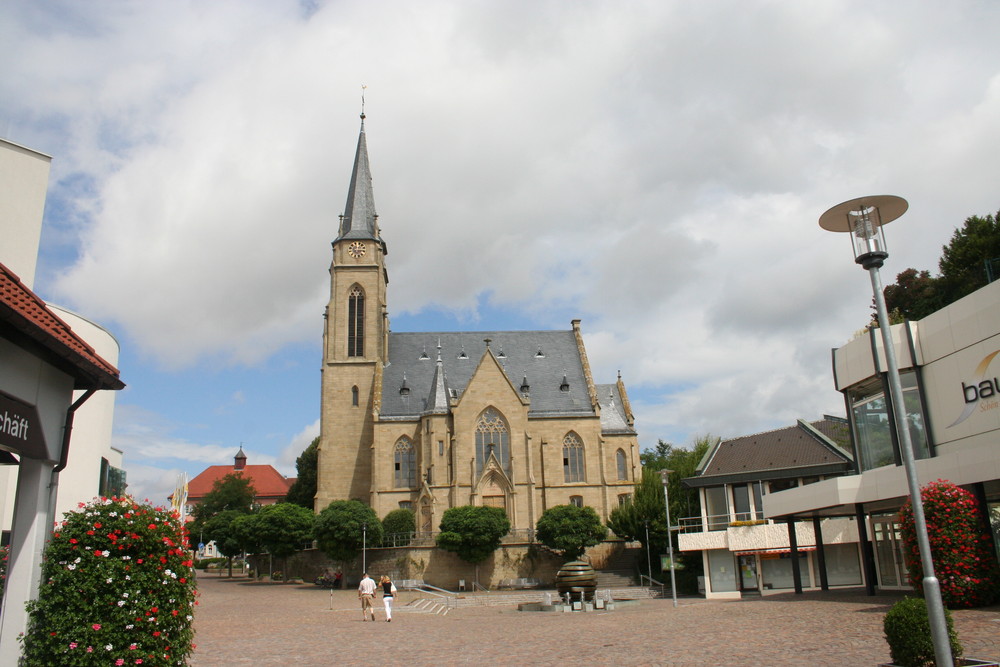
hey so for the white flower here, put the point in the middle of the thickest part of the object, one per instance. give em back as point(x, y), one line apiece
point(124, 595)
point(106, 553)
point(71, 567)
point(108, 580)
point(108, 647)
point(121, 603)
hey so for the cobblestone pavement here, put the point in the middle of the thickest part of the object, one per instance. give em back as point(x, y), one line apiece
point(239, 622)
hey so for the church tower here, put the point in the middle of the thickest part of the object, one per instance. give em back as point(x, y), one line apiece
point(354, 343)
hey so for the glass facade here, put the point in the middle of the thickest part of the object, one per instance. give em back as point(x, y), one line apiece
point(717, 507)
point(872, 431)
point(777, 570)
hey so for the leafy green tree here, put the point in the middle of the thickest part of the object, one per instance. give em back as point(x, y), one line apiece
point(684, 462)
point(399, 523)
point(283, 528)
point(340, 529)
point(219, 529)
point(303, 489)
point(570, 529)
point(472, 532)
point(232, 492)
point(913, 296)
point(963, 262)
point(967, 263)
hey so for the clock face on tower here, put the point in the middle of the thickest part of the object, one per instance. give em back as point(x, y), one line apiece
point(356, 249)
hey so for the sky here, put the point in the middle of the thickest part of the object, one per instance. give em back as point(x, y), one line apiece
point(655, 169)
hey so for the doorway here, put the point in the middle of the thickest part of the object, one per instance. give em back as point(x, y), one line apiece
point(887, 536)
point(747, 566)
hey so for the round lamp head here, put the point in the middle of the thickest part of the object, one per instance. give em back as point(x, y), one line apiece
point(864, 218)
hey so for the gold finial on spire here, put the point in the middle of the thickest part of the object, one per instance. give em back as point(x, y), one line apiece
point(363, 88)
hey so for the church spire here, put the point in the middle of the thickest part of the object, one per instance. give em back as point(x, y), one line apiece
point(360, 220)
point(437, 402)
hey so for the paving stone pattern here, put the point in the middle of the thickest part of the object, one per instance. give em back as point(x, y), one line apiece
point(239, 622)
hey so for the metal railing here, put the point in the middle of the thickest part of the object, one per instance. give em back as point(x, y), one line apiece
point(699, 524)
point(653, 582)
point(428, 539)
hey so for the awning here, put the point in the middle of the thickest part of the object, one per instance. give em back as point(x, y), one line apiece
point(754, 552)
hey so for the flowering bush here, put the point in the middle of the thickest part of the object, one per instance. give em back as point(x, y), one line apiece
point(962, 552)
point(117, 589)
point(4, 555)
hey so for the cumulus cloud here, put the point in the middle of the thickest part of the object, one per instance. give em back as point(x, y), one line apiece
point(656, 168)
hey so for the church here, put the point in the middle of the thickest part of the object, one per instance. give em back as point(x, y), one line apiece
point(433, 420)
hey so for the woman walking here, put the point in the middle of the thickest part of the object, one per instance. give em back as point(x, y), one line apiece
point(388, 591)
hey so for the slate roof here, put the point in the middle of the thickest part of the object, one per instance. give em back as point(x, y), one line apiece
point(541, 357)
point(359, 220)
point(808, 448)
point(613, 417)
point(269, 483)
point(28, 322)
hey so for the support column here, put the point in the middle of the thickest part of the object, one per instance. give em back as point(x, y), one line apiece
point(794, 546)
point(867, 553)
point(824, 583)
point(31, 528)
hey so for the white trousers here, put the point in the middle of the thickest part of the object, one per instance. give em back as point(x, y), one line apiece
point(387, 601)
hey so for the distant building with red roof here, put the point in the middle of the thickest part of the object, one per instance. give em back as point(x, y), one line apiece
point(271, 486)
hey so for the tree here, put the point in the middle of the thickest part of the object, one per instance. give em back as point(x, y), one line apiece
point(570, 529)
point(219, 529)
point(232, 492)
point(400, 523)
point(913, 296)
point(473, 532)
point(968, 262)
point(303, 489)
point(340, 529)
point(282, 528)
point(684, 462)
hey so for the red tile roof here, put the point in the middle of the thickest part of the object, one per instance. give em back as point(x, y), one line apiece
point(268, 482)
point(27, 321)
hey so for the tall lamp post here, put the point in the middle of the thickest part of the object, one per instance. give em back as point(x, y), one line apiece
point(664, 477)
point(863, 218)
point(364, 548)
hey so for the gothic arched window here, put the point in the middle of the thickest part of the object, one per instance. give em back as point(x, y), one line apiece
point(622, 465)
point(405, 464)
point(354, 396)
point(492, 437)
point(573, 467)
point(356, 322)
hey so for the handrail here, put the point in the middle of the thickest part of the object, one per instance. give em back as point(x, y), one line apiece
point(476, 584)
point(663, 587)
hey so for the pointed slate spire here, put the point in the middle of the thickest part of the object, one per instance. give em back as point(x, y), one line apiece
point(359, 219)
point(437, 402)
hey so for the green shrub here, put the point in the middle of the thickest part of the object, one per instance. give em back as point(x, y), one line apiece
point(117, 588)
point(205, 563)
point(908, 632)
point(4, 555)
point(400, 524)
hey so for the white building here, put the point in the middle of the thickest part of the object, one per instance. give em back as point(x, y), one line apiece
point(94, 467)
point(950, 364)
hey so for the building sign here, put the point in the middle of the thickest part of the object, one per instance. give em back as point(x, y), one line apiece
point(982, 392)
point(21, 428)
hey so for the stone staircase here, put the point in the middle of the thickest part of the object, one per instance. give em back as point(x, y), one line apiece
point(619, 570)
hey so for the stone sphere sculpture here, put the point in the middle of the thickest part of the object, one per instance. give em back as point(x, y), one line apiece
point(578, 579)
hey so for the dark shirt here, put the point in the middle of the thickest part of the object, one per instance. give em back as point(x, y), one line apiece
point(387, 589)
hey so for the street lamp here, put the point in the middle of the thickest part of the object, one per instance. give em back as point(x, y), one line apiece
point(664, 476)
point(649, 563)
point(364, 547)
point(863, 218)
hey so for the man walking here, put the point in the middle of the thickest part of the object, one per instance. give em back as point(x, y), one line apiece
point(366, 593)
